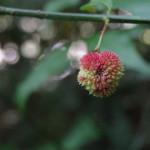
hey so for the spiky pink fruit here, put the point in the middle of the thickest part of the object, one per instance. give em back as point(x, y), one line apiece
point(100, 72)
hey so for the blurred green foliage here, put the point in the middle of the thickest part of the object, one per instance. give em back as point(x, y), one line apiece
point(58, 113)
point(125, 48)
point(57, 5)
point(50, 66)
point(136, 7)
point(84, 132)
point(7, 147)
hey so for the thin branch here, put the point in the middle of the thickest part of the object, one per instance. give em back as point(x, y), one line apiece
point(73, 16)
point(100, 38)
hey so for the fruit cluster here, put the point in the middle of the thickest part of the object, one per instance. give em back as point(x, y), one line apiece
point(100, 72)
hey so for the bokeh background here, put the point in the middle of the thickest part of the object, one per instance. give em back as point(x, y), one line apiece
point(42, 107)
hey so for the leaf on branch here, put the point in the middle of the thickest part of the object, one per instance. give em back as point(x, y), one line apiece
point(97, 5)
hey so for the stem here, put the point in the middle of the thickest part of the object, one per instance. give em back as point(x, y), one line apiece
point(101, 37)
point(73, 16)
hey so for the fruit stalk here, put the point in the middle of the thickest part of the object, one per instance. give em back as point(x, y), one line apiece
point(97, 49)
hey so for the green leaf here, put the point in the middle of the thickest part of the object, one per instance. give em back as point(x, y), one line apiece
point(90, 7)
point(121, 43)
point(53, 64)
point(97, 5)
point(136, 7)
point(57, 5)
point(82, 133)
point(107, 3)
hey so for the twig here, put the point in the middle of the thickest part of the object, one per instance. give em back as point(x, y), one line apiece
point(73, 16)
